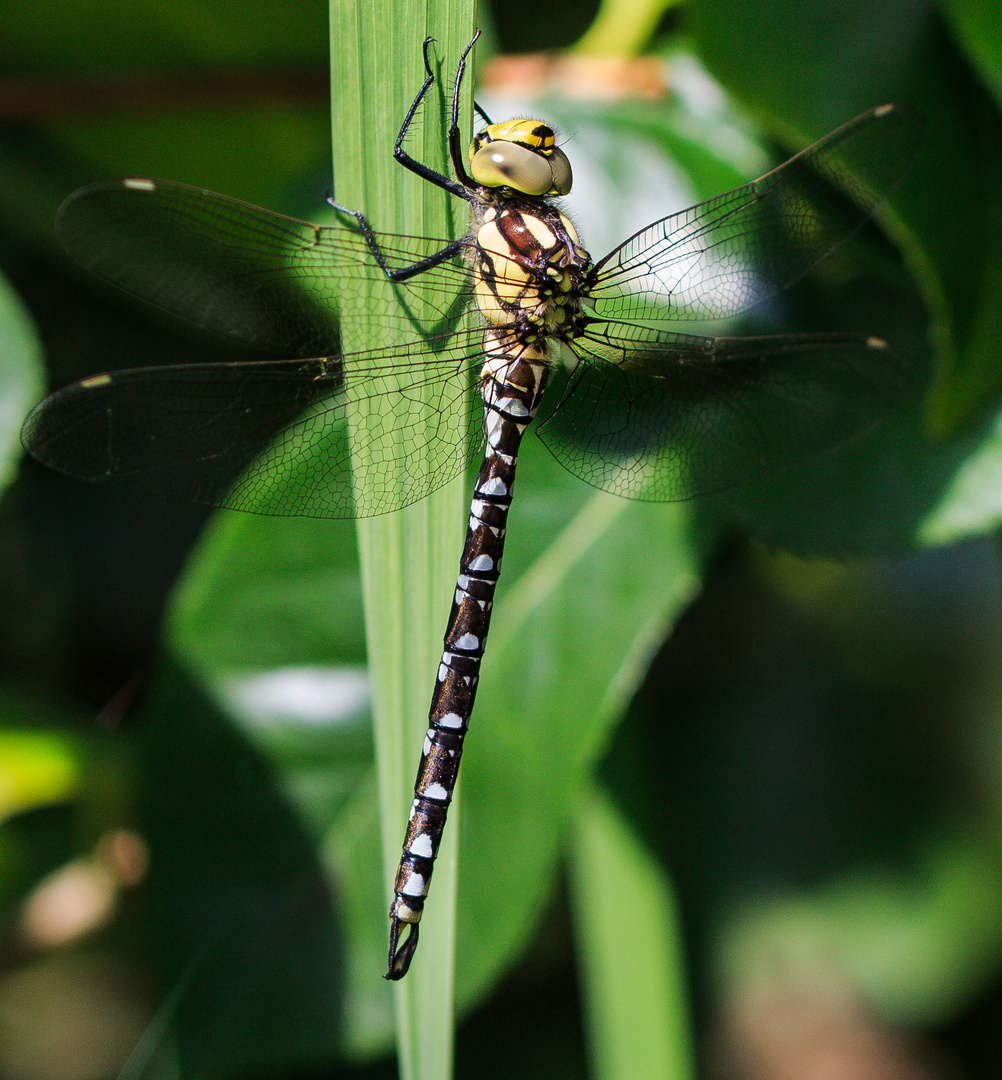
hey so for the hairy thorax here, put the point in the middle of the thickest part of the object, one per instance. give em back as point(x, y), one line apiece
point(529, 269)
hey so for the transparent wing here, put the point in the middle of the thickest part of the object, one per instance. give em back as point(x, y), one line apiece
point(647, 413)
point(272, 436)
point(661, 417)
point(724, 256)
point(271, 281)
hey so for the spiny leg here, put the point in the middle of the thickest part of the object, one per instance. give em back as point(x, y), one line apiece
point(462, 185)
point(404, 273)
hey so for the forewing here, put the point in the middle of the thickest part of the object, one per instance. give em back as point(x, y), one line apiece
point(271, 281)
point(668, 416)
point(272, 436)
point(724, 256)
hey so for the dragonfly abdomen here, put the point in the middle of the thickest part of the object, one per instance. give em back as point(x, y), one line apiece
point(528, 270)
point(513, 380)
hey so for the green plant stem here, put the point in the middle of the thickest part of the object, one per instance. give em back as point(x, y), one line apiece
point(408, 559)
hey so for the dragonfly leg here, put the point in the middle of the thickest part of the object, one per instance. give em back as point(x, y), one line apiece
point(455, 139)
point(458, 187)
point(461, 189)
point(401, 273)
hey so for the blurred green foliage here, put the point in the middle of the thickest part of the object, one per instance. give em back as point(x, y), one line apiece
point(812, 758)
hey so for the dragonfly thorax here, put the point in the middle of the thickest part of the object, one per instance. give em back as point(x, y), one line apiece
point(529, 268)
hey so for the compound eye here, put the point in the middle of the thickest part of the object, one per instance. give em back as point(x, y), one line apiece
point(561, 168)
point(505, 164)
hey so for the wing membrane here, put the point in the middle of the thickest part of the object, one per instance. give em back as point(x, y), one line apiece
point(272, 437)
point(675, 416)
point(647, 413)
point(272, 281)
point(724, 256)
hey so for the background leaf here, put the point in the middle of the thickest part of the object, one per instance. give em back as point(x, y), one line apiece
point(20, 374)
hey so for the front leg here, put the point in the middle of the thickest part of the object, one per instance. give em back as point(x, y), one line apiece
point(404, 273)
point(401, 155)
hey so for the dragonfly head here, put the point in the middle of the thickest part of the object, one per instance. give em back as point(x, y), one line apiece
point(522, 155)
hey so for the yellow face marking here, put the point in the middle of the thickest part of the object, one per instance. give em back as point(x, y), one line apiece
point(95, 381)
point(529, 133)
point(522, 155)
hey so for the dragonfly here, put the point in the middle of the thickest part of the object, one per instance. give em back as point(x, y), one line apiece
point(625, 400)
